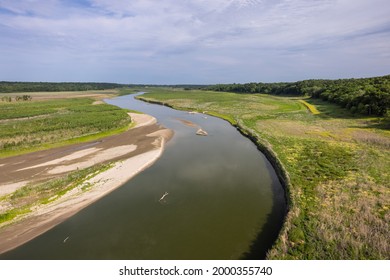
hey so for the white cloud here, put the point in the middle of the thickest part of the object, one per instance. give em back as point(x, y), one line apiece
point(259, 38)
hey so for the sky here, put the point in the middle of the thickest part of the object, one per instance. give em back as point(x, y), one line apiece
point(193, 41)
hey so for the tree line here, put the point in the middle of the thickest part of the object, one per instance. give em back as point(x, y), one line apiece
point(369, 96)
point(9, 87)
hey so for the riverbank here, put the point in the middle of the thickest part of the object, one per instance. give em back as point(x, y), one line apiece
point(339, 203)
point(122, 157)
point(263, 146)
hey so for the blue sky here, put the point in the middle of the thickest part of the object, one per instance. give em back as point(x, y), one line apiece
point(193, 42)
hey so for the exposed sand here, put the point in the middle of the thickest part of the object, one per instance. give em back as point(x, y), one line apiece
point(188, 123)
point(199, 131)
point(10, 188)
point(97, 158)
point(142, 119)
point(72, 156)
point(133, 151)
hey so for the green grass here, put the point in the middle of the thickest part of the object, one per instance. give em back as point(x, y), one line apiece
point(338, 166)
point(36, 125)
point(52, 122)
point(12, 214)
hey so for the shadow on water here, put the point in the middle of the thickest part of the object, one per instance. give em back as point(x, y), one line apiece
point(270, 230)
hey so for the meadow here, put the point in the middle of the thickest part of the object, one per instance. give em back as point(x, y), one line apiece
point(51, 120)
point(334, 164)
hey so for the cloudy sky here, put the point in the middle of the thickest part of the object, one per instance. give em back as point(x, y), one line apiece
point(193, 41)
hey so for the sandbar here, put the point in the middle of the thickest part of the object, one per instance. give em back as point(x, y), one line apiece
point(132, 152)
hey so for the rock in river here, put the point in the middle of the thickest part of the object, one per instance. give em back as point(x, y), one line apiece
point(201, 132)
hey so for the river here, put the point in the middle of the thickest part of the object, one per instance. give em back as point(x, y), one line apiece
point(222, 200)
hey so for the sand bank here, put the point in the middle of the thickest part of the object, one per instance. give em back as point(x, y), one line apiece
point(132, 152)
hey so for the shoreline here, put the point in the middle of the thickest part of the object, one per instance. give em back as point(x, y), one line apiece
point(45, 217)
point(271, 156)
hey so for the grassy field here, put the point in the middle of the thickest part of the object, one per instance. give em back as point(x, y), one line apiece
point(338, 165)
point(55, 119)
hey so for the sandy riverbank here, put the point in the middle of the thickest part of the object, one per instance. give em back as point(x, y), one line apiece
point(132, 152)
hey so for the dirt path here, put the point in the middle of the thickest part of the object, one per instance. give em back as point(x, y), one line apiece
point(133, 151)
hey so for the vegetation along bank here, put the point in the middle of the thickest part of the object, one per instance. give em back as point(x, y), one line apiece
point(92, 152)
point(45, 120)
point(337, 163)
point(328, 140)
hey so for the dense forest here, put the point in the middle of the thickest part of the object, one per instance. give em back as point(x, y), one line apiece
point(8, 87)
point(369, 96)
